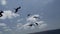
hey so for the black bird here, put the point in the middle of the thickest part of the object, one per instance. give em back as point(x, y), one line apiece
point(36, 23)
point(16, 10)
point(36, 17)
point(28, 14)
point(31, 25)
point(1, 13)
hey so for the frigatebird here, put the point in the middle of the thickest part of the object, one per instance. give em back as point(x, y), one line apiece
point(1, 13)
point(16, 10)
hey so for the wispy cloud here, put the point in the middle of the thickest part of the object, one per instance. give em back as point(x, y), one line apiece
point(41, 25)
point(5, 27)
point(19, 20)
point(31, 20)
point(3, 2)
point(20, 27)
point(2, 24)
point(9, 14)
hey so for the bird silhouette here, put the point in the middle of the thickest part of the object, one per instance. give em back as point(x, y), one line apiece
point(28, 14)
point(16, 10)
point(31, 25)
point(36, 23)
point(1, 13)
point(36, 17)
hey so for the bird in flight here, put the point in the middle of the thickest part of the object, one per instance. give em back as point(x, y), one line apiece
point(1, 13)
point(36, 23)
point(36, 17)
point(28, 14)
point(16, 10)
point(30, 24)
point(33, 24)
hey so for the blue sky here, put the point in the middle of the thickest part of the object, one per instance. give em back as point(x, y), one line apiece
point(47, 10)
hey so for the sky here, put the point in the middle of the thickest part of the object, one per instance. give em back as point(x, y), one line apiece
point(14, 23)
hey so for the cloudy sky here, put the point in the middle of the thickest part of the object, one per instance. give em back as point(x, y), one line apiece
point(14, 23)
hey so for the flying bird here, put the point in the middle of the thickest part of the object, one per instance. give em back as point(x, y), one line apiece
point(31, 25)
point(36, 23)
point(36, 17)
point(1, 13)
point(28, 14)
point(16, 10)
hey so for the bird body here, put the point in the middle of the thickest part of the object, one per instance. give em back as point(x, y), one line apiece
point(16, 10)
point(28, 15)
point(30, 24)
point(36, 17)
point(1, 13)
point(36, 23)
point(33, 24)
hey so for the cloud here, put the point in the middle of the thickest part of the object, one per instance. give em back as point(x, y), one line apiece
point(29, 29)
point(19, 20)
point(26, 27)
point(5, 27)
point(8, 14)
point(41, 25)
point(20, 27)
point(23, 26)
point(32, 19)
point(3, 2)
point(2, 24)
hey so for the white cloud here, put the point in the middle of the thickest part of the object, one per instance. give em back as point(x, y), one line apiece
point(19, 25)
point(26, 27)
point(2, 24)
point(32, 19)
point(3, 2)
point(8, 14)
point(41, 25)
point(5, 27)
point(29, 29)
point(19, 20)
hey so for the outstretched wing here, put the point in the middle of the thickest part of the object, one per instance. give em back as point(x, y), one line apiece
point(1, 13)
point(36, 23)
point(36, 17)
point(16, 10)
point(30, 25)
